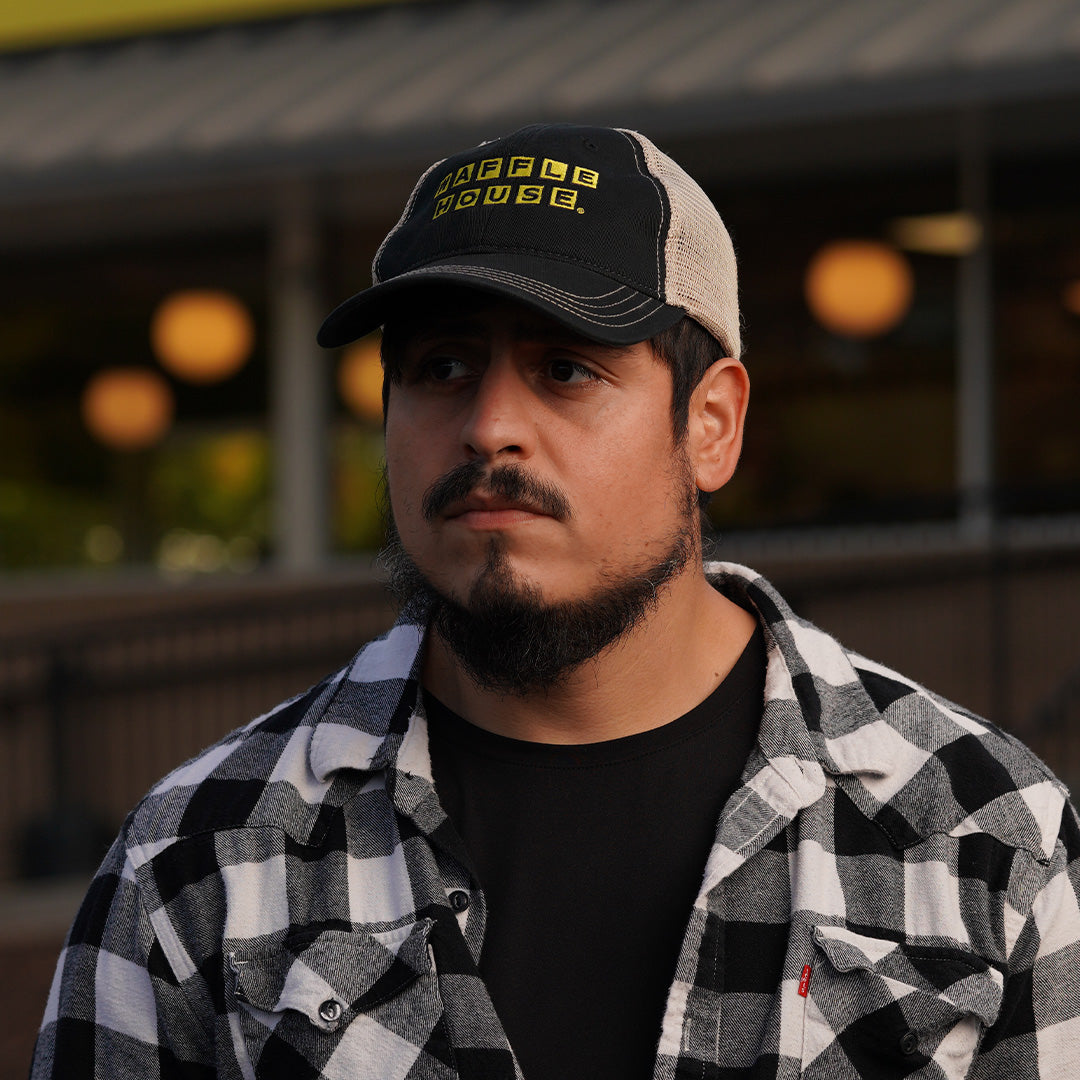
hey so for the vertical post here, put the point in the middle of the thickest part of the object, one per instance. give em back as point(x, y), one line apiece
point(58, 694)
point(978, 518)
point(298, 389)
point(67, 839)
point(974, 391)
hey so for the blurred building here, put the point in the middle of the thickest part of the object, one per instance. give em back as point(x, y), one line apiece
point(188, 485)
point(901, 179)
point(263, 159)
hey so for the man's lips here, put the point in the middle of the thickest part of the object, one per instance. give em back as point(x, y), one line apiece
point(469, 489)
point(479, 509)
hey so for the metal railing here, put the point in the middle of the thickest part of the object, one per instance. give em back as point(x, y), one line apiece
point(90, 717)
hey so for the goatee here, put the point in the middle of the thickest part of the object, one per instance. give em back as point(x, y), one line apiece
point(508, 639)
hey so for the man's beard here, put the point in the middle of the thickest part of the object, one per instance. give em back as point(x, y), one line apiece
point(506, 637)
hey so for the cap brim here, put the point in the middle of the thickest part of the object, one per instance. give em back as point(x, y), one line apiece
point(586, 302)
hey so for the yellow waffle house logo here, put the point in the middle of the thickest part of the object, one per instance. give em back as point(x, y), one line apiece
point(522, 181)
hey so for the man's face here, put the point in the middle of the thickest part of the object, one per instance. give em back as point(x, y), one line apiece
point(597, 490)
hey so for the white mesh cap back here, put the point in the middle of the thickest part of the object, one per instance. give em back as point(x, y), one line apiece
point(700, 275)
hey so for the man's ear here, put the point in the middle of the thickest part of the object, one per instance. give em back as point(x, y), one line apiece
point(715, 423)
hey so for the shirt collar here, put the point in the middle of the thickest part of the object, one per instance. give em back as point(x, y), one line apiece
point(374, 719)
point(824, 713)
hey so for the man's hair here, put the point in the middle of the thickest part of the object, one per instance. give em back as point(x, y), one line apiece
point(687, 348)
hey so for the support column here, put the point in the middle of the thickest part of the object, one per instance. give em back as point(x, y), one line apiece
point(975, 374)
point(298, 385)
point(975, 413)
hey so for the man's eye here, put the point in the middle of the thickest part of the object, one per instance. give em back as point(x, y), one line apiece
point(444, 368)
point(567, 371)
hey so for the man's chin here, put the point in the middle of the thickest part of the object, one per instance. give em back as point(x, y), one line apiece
point(513, 583)
point(508, 638)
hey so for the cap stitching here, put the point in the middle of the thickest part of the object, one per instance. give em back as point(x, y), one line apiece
point(530, 285)
point(626, 134)
point(401, 220)
point(522, 249)
point(588, 314)
point(521, 279)
point(509, 275)
point(537, 289)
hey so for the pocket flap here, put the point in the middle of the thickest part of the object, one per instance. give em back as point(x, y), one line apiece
point(950, 973)
point(328, 974)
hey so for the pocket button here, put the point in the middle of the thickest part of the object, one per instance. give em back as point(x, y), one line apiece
point(909, 1042)
point(330, 1011)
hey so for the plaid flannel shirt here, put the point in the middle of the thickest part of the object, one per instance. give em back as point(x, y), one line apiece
point(295, 903)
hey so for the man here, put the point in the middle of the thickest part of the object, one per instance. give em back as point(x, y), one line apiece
point(586, 810)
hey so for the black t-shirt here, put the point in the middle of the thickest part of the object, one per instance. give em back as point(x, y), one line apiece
point(590, 857)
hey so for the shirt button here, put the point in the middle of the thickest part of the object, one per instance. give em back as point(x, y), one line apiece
point(909, 1042)
point(330, 1011)
point(459, 900)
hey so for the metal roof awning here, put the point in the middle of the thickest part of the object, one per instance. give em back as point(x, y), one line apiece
point(347, 89)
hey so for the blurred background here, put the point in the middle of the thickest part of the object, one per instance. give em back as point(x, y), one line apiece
point(188, 485)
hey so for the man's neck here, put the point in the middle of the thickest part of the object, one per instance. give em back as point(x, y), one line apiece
point(654, 674)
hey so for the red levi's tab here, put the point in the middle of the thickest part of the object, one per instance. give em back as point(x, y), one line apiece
point(804, 982)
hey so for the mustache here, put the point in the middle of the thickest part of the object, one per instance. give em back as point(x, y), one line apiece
point(511, 482)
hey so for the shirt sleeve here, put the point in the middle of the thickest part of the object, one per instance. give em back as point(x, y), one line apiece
point(115, 1009)
point(1037, 1035)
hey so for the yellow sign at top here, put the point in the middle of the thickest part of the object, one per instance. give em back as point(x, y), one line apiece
point(60, 22)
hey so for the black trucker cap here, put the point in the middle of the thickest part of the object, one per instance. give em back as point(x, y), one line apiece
point(595, 227)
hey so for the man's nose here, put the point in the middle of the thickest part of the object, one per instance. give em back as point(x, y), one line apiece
point(501, 420)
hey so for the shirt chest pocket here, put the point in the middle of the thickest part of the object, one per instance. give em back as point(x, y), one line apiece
point(338, 1004)
point(876, 1008)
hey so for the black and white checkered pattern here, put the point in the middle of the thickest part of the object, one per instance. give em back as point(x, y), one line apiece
point(893, 892)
